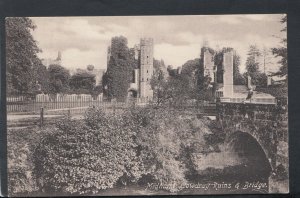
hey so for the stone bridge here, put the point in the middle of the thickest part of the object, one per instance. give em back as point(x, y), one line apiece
point(267, 123)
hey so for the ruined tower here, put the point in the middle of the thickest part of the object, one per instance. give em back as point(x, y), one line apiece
point(136, 51)
point(208, 62)
point(146, 67)
point(228, 74)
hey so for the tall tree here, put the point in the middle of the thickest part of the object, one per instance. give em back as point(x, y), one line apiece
point(42, 77)
point(238, 78)
point(21, 55)
point(189, 75)
point(119, 71)
point(252, 63)
point(252, 66)
point(58, 79)
point(266, 59)
point(82, 82)
point(282, 52)
point(158, 84)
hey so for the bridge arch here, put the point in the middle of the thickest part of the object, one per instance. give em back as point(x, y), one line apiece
point(249, 148)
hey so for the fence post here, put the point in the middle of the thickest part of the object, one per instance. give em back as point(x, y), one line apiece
point(113, 102)
point(114, 109)
point(42, 117)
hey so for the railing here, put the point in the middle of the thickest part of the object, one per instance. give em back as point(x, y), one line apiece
point(252, 101)
point(19, 104)
point(22, 104)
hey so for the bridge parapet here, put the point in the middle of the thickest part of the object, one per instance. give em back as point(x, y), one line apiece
point(261, 100)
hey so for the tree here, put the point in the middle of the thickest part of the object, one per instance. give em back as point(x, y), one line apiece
point(82, 82)
point(252, 67)
point(178, 90)
point(238, 78)
point(282, 52)
point(119, 71)
point(219, 64)
point(252, 64)
point(189, 74)
point(204, 90)
point(58, 79)
point(160, 65)
point(21, 55)
point(158, 81)
point(42, 77)
point(90, 67)
point(179, 86)
point(158, 85)
point(266, 58)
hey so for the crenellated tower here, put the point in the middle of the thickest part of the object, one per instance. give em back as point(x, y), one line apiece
point(146, 67)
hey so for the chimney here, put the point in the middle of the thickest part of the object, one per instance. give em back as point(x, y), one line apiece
point(228, 74)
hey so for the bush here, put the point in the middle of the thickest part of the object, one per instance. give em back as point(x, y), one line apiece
point(163, 136)
point(138, 146)
point(86, 156)
point(20, 145)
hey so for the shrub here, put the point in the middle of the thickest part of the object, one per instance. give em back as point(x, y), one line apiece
point(139, 146)
point(20, 145)
point(86, 156)
point(163, 136)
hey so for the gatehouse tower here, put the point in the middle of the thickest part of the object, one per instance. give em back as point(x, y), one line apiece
point(146, 67)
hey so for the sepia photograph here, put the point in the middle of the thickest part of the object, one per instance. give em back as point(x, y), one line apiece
point(147, 105)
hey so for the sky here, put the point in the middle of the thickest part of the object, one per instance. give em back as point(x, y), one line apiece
point(84, 40)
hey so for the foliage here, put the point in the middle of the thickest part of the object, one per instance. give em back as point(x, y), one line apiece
point(119, 71)
point(82, 81)
point(189, 71)
point(204, 84)
point(103, 151)
point(238, 78)
point(158, 83)
point(85, 157)
point(59, 79)
point(178, 87)
point(159, 65)
point(97, 90)
point(172, 72)
point(90, 67)
point(21, 55)
point(178, 90)
point(282, 52)
point(279, 91)
point(252, 64)
point(20, 146)
point(43, 78)
point(164, 136)
point(252, 67)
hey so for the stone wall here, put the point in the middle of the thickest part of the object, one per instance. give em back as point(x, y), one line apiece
point(266, 123)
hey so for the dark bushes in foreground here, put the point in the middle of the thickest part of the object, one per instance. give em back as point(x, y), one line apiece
point(103, 150)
